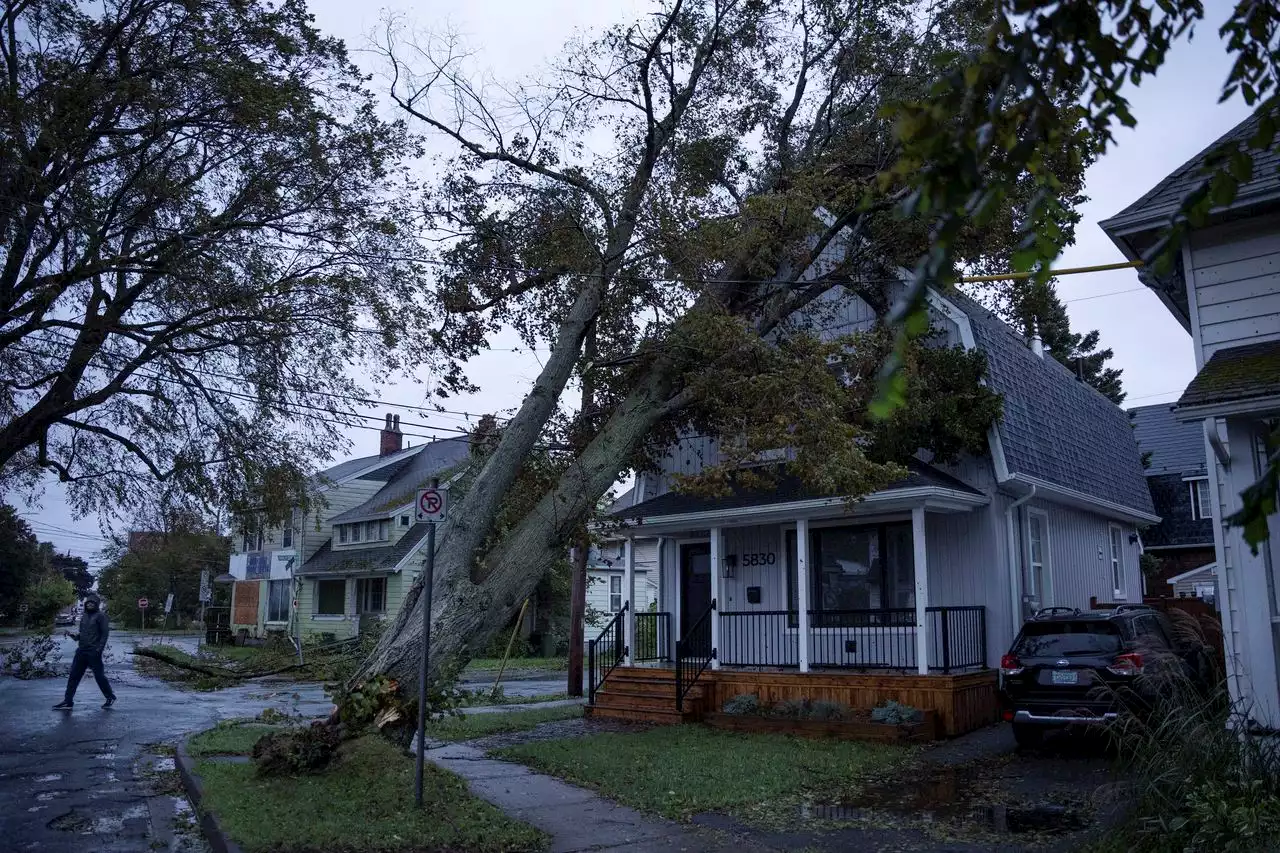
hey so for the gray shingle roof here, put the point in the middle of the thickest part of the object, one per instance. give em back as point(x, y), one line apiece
point(354, 466)
point(1163, 200)
point(1240, 373)
point(431, 460)
point(1055, 427)
point(1175, 447)
point(1172, 497)
point(348, 561)
point(788, 489)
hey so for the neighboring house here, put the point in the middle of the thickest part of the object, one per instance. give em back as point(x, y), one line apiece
point(606, 578)
point(354, 553)
point(1225, 290)
point(932, 575)
point(1173, 451)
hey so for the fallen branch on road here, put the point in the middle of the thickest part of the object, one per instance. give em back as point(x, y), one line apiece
point(212, 671)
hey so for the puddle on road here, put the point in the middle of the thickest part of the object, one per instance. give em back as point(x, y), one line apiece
point(52, 777)
point(50, 795)
point(163, 765)
point(955, 796)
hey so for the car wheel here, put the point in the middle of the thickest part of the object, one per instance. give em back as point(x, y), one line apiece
point(1027, 736)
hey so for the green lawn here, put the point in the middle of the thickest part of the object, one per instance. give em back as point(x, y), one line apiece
point(478, 725)
point(678, 771)
point(363, 803)
point(228, 739)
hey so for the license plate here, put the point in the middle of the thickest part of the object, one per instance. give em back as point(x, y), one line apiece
point(1064, 677)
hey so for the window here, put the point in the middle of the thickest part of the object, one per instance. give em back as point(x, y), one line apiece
point(1036, 580)
point(1067, 639)
point(1201, 499)
point(278, 601)
point(855, 568)
point(615, 593)
point(384, 529)
point(342, 534)
point(371, 595)
point(1117, 559)
point(331, 597)
point(356, 530)
point(404, 520)
point(286, 538)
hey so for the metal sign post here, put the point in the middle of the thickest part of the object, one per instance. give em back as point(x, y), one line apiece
point(142, 612)
point(432, 507)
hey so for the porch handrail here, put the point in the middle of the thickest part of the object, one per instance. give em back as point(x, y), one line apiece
point(613, 650)
point(694, 654)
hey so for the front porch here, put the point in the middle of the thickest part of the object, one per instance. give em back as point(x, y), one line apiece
point(819, 606)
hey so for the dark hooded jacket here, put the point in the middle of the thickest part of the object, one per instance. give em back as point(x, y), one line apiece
point(93, 628)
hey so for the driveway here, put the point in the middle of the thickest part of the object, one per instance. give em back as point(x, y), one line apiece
point(76, 781)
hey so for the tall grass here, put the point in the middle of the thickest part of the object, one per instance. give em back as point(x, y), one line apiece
point(1206, 777)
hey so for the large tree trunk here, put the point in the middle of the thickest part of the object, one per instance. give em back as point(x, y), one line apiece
point(466, 614)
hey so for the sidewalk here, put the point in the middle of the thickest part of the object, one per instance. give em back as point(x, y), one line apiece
point(576, 819)
point(521, 706)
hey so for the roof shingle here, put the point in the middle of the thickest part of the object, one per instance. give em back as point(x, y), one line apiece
point(1175, 447)
point(1240, 373)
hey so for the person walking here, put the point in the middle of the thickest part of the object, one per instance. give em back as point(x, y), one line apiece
point(91, 642)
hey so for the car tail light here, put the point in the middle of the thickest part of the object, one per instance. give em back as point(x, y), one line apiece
point(1008, 716)
point(1010, 665)
point(1128, 664)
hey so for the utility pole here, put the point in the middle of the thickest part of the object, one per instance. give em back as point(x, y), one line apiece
point(578, 589)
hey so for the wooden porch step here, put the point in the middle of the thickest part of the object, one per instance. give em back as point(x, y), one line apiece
point(616, 684)
point(643, 715)
point(646, 673)
point(609, 699)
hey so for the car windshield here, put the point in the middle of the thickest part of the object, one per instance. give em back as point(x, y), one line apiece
point(1067, 639)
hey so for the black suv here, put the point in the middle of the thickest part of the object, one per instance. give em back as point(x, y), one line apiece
point(1063, 660)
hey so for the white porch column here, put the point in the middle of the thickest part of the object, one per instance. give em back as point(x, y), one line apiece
point(922, 590)
point(629, 597)
point(716, 558)
point(802, 590)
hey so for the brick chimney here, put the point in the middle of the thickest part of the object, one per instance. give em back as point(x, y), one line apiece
point(392, 439)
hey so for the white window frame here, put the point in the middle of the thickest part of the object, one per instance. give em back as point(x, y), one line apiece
point(362, 595)
point(1198, 501)
point(1044, 596)
point(404, 520)
point(316, 604)
point(1115, 547)
point(286, 537)
point(272, 587)
point(615, 598)
point(356, 530)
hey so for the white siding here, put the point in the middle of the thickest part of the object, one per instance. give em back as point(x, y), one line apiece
point(1080, 557)
point(1236, 270)
point(964, 569)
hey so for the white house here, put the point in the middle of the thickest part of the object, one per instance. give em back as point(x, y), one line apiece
point(1225, 290)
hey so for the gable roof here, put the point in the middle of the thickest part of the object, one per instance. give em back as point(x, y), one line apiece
point(430, 460)
point(1158, 204)
point(1235, 375)
point(1055, 428)
point(1176, 447)
point(788, 489)
point(376, 467)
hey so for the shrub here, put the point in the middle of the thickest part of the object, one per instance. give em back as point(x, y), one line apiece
point(790, 709)
point(44, 598)
point(825, 710)
point(34, 657)
point(302, 750)
point(894, 713)
point(744, 704)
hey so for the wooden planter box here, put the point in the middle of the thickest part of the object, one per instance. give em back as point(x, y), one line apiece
point(839, 729)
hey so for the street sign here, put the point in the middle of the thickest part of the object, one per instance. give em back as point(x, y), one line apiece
point(143, 604)
point(168, 603)
point(22, 608)
point(206, 591)
point(433, 504)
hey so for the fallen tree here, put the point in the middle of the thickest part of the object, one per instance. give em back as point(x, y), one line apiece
point(690, 245)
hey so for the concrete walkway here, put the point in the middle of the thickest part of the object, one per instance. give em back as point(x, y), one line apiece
point(575, 818)
point(521, 706)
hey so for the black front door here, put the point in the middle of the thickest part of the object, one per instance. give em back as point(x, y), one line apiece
point(695, 583)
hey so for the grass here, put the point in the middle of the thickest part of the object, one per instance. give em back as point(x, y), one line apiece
point(479, 725)
point(228, 738)
point(363, 803)
point(494, 664)
point(679, 771)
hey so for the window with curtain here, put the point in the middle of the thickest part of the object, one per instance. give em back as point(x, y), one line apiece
point(331, 597)
point(278, 601)
point(865, 568)
point(1117, 559)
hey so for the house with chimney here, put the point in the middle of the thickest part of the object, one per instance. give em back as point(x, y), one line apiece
point(350, 558)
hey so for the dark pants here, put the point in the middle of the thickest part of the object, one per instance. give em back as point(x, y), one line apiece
point(83, 660)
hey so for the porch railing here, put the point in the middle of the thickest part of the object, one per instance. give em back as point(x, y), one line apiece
point(694, 653)
point(606, 651)
point(855, 639)
point(653, 637)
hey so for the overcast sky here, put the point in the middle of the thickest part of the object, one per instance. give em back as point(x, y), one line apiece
point(1177, 115)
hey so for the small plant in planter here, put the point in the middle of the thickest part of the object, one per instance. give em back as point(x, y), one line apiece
point(744, 705)
point(831, 711)
point(894, 713)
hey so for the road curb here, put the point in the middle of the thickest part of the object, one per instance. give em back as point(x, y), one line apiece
point(218, 840)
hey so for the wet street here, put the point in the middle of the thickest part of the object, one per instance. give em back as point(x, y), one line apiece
point(80, 781)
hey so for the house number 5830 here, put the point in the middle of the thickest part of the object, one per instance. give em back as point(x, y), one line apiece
point(759, 559)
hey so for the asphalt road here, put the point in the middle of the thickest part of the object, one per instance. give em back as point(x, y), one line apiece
point(72, 781)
